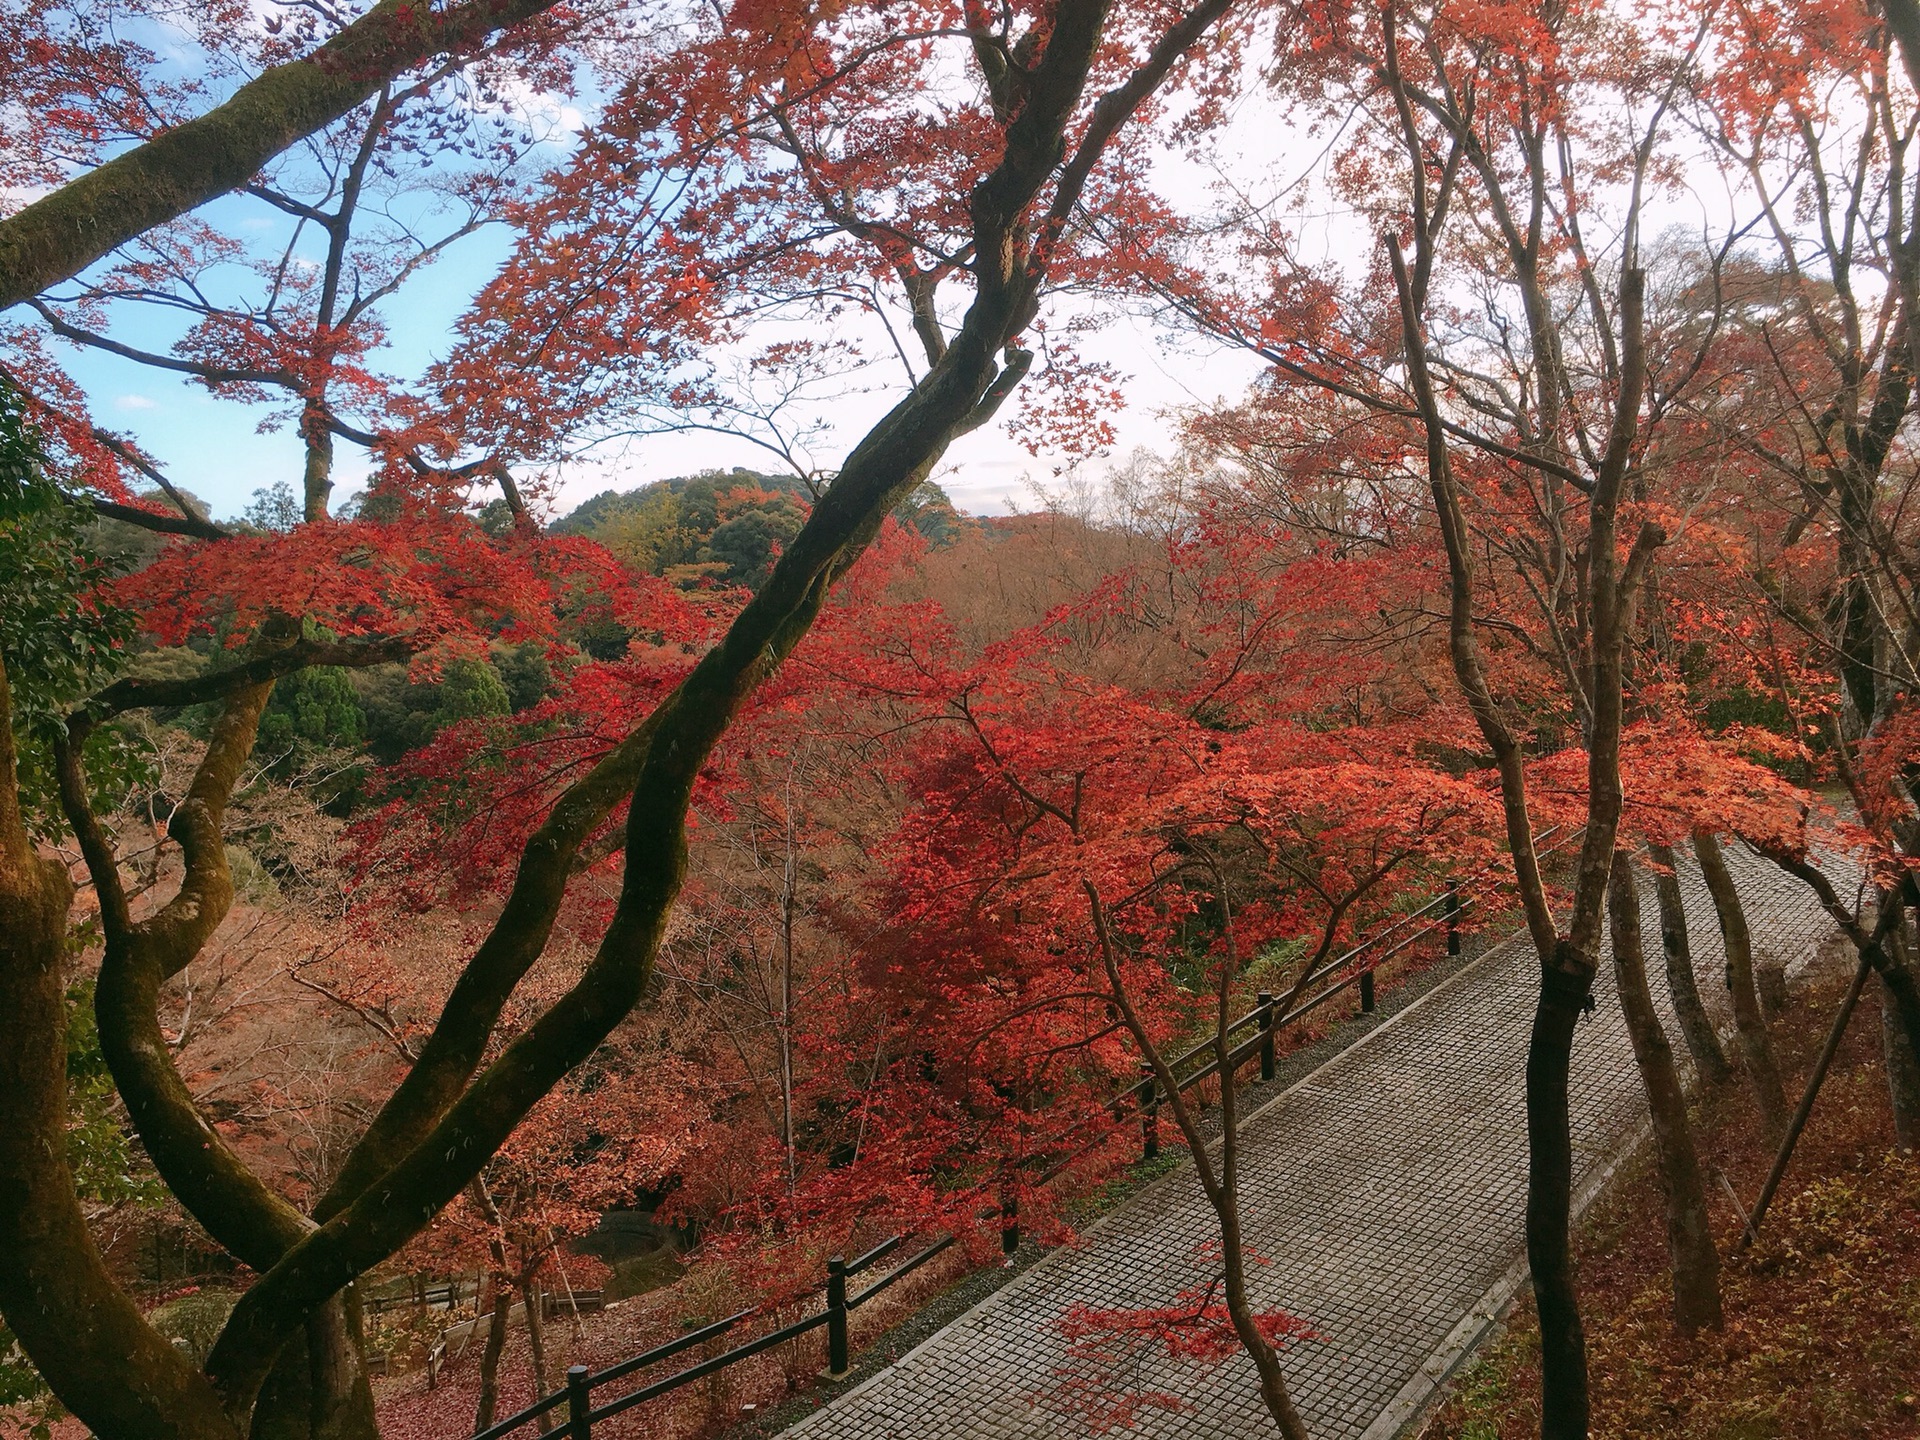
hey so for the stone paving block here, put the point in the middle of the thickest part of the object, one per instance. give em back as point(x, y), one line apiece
point(1387, 1190)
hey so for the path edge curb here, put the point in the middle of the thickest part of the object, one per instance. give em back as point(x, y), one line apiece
point(1417, 1401)
point(1413, 1406)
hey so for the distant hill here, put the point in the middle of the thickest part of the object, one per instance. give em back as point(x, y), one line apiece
point(723, 526)
point(592, 514)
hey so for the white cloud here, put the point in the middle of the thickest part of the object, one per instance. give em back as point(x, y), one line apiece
point(136, 402)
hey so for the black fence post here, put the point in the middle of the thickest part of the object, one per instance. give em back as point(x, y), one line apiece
point(1266, 1034)
point(1150, 1114)
point(577, 1404)
point(1009, 1220)
point(1366, 992)
point(837, 1361)
point(1453, 918)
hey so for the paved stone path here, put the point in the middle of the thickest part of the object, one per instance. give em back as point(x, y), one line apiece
point(1387, 1190)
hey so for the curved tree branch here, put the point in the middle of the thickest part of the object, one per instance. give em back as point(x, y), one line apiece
point(57, 237)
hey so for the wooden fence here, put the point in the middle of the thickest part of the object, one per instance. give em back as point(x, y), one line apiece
point(582, 1414)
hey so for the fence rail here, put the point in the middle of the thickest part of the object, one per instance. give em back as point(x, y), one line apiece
point(432, 1297)
point(1358, 962)
point(577, 1397)
point(1262, 1025)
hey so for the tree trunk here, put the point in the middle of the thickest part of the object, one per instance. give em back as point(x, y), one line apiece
point(118, 1376)
point(1220, 1186)
point(1896, 1040)
point(316, 480)
point(537, 1344)
point(282, 1412)
point(343, 1400)
point(318, 1390)
point(187, 165)
point(1756, 1049)
point(1903, 1074)
point(1274, 1390)
point(1696, 1264)
point(1696, 1026)
point(1564, 987)
point(1900, 985)
point(501, 1314)
point(1770, 982)
point(1273, 1381)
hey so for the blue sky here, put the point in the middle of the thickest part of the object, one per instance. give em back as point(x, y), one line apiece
point(216, 447)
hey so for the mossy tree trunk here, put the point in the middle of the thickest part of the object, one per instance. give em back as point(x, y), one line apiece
point(184, 167)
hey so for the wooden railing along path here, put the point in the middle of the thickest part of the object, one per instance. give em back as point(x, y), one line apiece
point(583, 1414)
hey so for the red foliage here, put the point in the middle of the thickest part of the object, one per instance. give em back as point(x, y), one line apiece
point(1103, 1381)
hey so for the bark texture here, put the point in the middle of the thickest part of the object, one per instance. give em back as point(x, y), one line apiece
point(1563, 1339)
point(55, 1289)
point(1903, 1074)
point(318, 1389)
point(499, 1315)
point(1756, 1046)
point(1690, 1248)
point(1696, 1026)
point(1219, 1182)
point(536, 1346)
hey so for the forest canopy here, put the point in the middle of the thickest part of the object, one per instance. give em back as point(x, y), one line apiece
point(408, 869)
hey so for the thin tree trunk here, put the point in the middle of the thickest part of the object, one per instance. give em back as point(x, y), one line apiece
point(500, 1316)
point(537, 1344)
point(1273, 1381)
point(1696, 1264)
point(788, 886)
point(1756, 1049)
point(1696, 1026)
point(1783, 1156)
point(1903, 1074)
point(316, 480)
point(1220, 1186)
